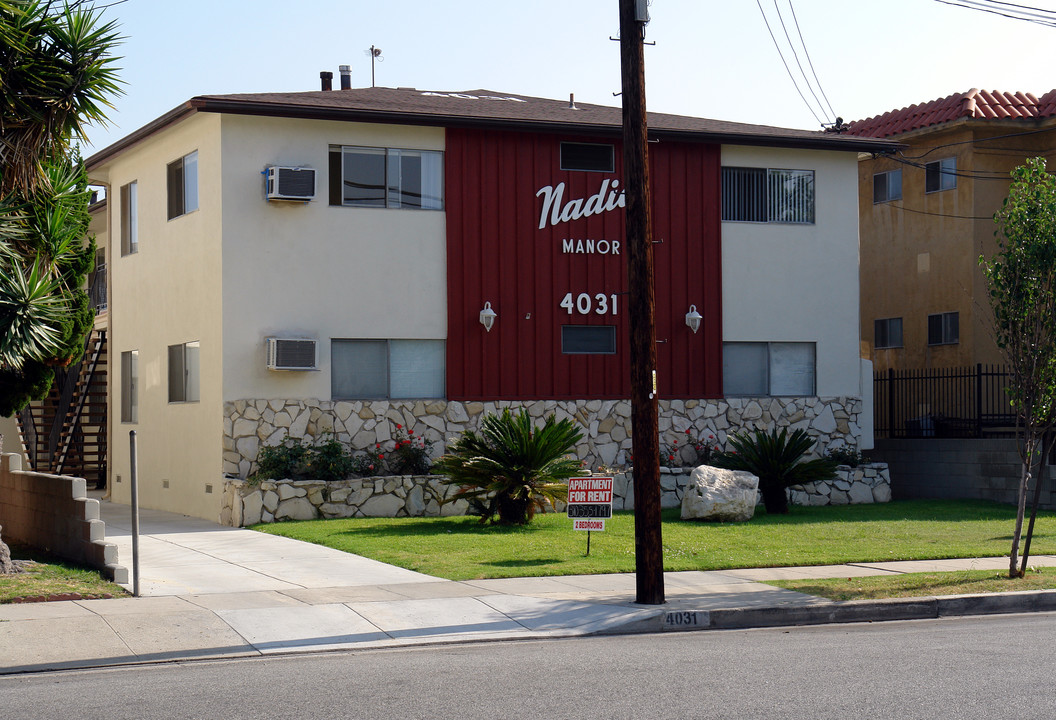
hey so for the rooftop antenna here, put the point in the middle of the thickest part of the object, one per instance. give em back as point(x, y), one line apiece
point(375, 54)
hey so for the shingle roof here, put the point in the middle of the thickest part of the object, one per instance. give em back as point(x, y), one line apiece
point(972, 104)
point(486, 108)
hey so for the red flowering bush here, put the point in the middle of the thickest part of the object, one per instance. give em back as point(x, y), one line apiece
point(694, 452)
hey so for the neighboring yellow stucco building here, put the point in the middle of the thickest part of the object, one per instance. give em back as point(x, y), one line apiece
point(926, 215)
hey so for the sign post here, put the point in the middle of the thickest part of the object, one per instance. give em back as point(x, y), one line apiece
point(589, 503)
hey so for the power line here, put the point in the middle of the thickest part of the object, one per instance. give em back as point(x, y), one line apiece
point(811, 64)
point(785, 62)
point(795, 55)
point(935, 214)
point(1038, 16)
point(972, 174)
point(975, 141)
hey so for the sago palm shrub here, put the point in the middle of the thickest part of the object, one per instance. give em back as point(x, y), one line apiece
point(511, 468)
point(776, 458)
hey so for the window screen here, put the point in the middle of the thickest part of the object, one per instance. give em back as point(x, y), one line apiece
point(367, 369)
point(760, 368)
point(588, 156)
point(588, 339)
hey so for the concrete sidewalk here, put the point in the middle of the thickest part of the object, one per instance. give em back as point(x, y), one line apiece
point(211, 591)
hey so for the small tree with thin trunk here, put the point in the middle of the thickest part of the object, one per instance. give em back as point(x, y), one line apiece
point(1021, 283)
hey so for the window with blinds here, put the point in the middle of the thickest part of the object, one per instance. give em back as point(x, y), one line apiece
point(767, 195)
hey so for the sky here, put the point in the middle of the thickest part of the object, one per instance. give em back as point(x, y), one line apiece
point(711, 58)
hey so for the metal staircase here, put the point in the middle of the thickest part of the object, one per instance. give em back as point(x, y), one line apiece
point(65, 433)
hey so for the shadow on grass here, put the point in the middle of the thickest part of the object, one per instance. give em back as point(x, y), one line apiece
point(524, 563)
point(412, 527)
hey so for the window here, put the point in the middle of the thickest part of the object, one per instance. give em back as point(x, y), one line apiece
point(944, 329)
point(129, 219)
point(97, 282)
point(940, 175)
point(760, 368)
point(183, 185)
point(183, 372)
point(887, 333)
point(770, 196)
point(588, 156)
point(386, 178)
point(380, 369)
point(130, 386)
point(588, 339)
point(887, 186)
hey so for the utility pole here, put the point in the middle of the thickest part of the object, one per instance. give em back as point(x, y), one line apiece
point(648, 545)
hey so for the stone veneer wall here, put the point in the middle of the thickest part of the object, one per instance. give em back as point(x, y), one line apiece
point(249, 424)
point(246, 503)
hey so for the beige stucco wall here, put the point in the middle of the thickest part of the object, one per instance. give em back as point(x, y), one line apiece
point(920, 254)
point(799, 283)
point(166, 294)
point(316, 271)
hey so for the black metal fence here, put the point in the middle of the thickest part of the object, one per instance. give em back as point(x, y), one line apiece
point(966, 402)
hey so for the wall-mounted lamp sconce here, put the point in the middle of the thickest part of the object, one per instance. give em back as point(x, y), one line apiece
point(487, 316)
point(693, 319)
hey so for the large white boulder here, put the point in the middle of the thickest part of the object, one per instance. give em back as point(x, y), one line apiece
point(721, 495)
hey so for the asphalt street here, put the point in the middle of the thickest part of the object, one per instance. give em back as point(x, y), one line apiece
point(977, 667)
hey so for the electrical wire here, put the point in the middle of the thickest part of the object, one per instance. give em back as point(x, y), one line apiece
point(981, 140)
point(809, 62)
point(785, 63)
point(935, 214)
point(795, 55)
point(1040, 16)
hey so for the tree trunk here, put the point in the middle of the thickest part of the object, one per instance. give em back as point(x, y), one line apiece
point(775, 500)
point(1021, 507)
point(1046, 449)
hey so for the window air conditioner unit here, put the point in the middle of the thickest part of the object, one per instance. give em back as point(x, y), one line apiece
point(290, 353)
point(290, 183)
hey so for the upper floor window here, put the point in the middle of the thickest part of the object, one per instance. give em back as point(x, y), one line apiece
point(386, 178)
point(595, 157)
point(182, 182)
point(97, 281)
point(940, 175)
point(887, 186)
point(767, 195)
point(129, 219)
point(768, 368)
point(944, 328)
point(887, 333)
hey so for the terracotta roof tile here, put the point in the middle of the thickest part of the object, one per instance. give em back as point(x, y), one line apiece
point(972, 104)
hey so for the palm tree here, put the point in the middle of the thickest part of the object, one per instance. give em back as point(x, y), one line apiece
point(511, 468)
point(56, 77)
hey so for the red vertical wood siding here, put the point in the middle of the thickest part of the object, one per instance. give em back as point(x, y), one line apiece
point(497, 253)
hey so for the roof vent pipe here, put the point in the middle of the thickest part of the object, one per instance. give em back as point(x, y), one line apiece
point(326, 79)
point(346, 76)
point(572, 101)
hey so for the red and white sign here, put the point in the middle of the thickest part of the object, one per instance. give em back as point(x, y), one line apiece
point(589, 502)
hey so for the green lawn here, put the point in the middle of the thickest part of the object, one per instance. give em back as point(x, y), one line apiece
point(462, 549)
point(962, 582)
point(45, 577)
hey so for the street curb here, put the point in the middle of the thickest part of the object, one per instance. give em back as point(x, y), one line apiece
point(683, 617)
